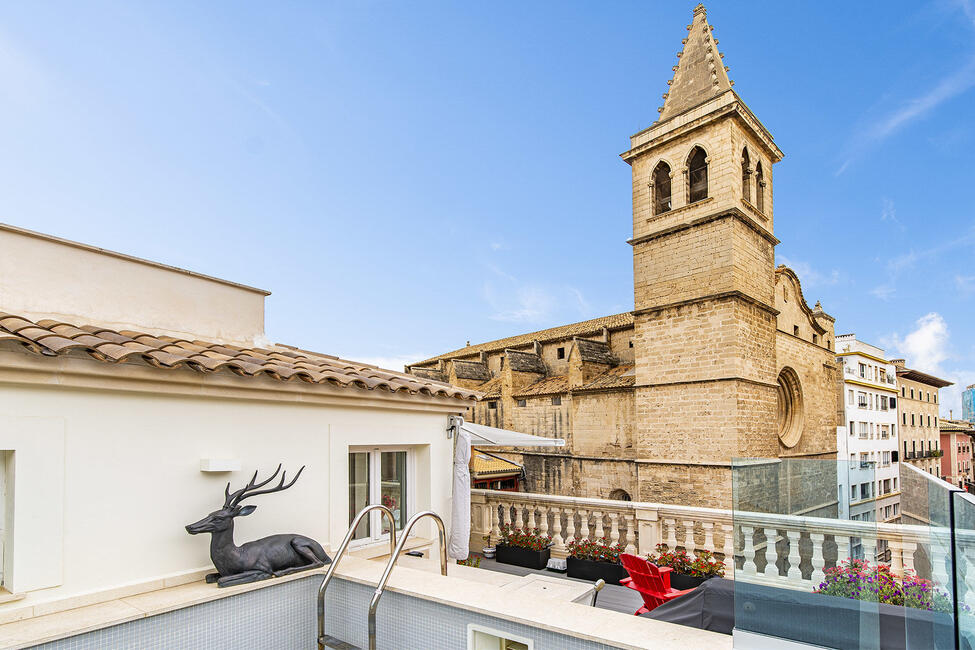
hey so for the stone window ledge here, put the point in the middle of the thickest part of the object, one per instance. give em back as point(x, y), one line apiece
point(683, 208)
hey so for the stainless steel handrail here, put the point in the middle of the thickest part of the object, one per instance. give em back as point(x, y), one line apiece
point(392, 562)
point(338, 555)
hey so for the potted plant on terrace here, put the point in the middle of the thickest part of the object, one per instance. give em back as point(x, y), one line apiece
point(594, 559)
point(523, 547)
point(688, 572)
point(859, 580)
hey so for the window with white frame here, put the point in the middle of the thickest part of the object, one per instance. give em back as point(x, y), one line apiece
point(382, 475)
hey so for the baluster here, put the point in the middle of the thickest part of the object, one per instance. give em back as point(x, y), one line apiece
point(794, 574)
point(671, 533)
point(597, 519)
point(818, 561)
point(689, 544)
point(750, 567)
point(495, 522)
point(614, 527)
point(869, 549)
point(842, 549)
point(543, 524)
point(965, 580)
point(631, 544)
point(558, 544)
point(728, 548)
point(518, 517)
point(896, 561)
point(531, 518)
point(938, 572)
point(570, 525)
point(771, 553)
point(584, 524)
point(708, 527)
point(908, 547)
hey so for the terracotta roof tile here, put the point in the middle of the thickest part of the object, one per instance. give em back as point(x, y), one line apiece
point(471, 370)
point(525, 362)
point(491, 389)
point(284, 363)
point(594, 351)
point(619, 377)
point(548, 386)
point(562, 332)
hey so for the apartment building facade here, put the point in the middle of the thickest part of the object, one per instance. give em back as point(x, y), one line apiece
point(968, 404)
point(868, 490)
point(917, 414)
point(956, 442)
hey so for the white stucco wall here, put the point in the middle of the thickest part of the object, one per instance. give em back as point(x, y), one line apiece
point(128, 477)
point(46, 277)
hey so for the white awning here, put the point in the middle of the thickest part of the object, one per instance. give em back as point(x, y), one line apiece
point(477, 435)
point(482, 436)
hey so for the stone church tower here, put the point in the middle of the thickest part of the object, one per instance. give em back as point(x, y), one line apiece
point(704, 281)
point(721, 357)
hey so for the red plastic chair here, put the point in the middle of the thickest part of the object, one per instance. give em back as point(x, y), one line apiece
point(650, 581)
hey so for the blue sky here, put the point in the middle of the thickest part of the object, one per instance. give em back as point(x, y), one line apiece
point(405, 177)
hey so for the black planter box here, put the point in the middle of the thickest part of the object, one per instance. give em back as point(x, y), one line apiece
point(592, 570)
point(682, 581)
point(525, 557)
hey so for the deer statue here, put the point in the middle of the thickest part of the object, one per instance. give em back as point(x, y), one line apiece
point(268, 557)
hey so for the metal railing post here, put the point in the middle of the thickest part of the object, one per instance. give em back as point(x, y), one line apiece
point(392, 562)
point(338, 555)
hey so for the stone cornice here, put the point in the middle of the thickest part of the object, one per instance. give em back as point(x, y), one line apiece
point(709, 380)
point(730, 213)
point(725, 105)
point(724, 295)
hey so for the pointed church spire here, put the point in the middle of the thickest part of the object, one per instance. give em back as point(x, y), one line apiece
point(699, 74)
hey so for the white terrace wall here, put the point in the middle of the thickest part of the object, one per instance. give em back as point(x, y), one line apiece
point(104, 481)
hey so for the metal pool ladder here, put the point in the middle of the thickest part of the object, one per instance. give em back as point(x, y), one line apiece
point(322, 637)
point(392, 562)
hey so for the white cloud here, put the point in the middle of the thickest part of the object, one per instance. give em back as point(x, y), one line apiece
point(583, 304)
point(526, 304)
point(889, 214)
point(905, 261)
point(883, 292)
point(928, 348)
point(965, 284)
point(959, 81)
point(809, 276)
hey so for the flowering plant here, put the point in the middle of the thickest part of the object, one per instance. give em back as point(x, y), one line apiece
point(472, 560)
point(524, 538)
point(858, 580)
point(704, 565)
point(389, 501)
point(598, 550)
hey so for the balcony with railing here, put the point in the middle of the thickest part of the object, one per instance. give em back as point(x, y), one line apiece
point(781, 534)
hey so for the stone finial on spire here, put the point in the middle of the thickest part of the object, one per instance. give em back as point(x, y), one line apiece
point(699, 74)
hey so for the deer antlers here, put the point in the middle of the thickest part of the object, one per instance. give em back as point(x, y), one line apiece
point(232, 499)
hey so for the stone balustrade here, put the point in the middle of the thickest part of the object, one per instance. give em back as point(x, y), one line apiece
point(787, 550)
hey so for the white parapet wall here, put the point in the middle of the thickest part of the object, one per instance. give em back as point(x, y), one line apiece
point(46, 277)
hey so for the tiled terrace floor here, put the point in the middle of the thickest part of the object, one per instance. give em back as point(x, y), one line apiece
point(612, 597)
